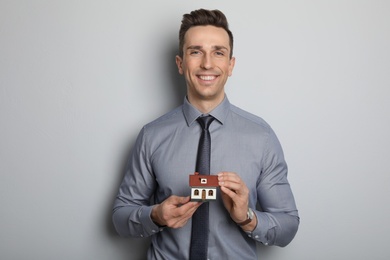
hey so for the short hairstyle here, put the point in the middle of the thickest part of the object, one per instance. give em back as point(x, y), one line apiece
point(203, 17)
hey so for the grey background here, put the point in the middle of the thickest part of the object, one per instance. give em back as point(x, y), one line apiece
point(78, 79)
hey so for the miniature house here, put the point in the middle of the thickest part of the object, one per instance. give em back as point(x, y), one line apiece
point(203, 187)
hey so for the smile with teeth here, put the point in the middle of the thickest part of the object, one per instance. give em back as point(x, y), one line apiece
point(207, 78)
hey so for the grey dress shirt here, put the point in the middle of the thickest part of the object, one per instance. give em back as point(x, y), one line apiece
point(159, 166)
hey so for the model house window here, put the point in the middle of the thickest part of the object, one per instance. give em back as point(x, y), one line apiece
point(196, 192)
point(203, 181)
point(211, 192)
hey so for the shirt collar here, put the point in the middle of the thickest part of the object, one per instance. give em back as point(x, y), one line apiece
point(220, 112)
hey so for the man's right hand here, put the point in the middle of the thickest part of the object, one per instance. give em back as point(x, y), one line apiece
point(174, 212)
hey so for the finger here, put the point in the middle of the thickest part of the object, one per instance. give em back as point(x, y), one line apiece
point(237, 199)
point(231, 185)
point(178, 201)
point(182, 218)
point(233, 182)
point(180, 210)
point(181, 223)
point(229, 192)
point(229, 176)
point(189, 207)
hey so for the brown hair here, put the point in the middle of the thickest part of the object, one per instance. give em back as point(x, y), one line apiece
point(204, 17)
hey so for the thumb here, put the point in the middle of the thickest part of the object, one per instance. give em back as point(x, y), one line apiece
point(183, 200)
point(176, 200)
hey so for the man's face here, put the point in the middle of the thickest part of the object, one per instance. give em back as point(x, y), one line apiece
point(206, 64)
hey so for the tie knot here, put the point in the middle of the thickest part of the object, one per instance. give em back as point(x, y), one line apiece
point(205, 121)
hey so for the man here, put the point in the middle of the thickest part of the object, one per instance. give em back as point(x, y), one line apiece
point(254, 201)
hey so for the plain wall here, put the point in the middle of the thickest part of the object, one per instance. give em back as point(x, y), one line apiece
point(78, 80)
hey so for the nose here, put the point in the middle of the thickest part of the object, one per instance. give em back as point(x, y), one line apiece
point(206, 62)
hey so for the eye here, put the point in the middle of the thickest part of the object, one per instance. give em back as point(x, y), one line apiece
point(195, 52)
point(219, 53)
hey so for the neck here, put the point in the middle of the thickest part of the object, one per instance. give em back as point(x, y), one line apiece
point(204, 105)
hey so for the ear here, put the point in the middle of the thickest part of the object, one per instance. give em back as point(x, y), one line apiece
point(232, 62)
point(179, 63)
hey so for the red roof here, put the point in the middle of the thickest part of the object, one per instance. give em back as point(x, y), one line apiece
point(197, 180)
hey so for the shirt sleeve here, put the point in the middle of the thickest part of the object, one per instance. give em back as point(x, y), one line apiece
point(278, 218)
point(132, 206)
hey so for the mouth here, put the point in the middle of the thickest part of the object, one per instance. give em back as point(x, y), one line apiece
point(207, 77)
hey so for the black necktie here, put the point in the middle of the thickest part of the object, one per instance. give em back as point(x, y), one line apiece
point(200, 219)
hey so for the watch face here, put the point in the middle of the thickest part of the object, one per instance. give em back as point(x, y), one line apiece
point(250, 213)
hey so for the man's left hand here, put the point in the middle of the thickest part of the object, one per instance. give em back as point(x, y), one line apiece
point(235, 197)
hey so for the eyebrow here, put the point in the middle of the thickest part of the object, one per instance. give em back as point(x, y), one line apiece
point(199, 47)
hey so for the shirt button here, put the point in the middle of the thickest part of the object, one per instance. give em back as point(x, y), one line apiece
point(142, 235)
point(266, 244)
point(256, 236)
point(249, 236)
point(154, 231)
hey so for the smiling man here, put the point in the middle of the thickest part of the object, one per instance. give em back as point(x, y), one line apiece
point(206, 64)
point(254, 202)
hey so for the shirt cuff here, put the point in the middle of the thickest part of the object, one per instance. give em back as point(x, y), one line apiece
point(149, 227)
point(260, 233)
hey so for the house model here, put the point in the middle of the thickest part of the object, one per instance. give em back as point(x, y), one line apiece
point(203, 187)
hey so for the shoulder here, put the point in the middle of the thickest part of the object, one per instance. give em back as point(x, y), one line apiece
point(248, 119)
point(166, 119)
point(254, 127)
point(160, 127)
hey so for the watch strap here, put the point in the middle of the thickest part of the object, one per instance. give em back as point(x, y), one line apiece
point(248, 220)
point(245, 222)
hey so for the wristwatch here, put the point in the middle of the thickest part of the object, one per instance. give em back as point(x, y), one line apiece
point(250, 214)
